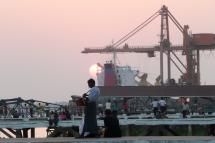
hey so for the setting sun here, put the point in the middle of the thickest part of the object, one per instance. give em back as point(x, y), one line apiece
point(95, 69)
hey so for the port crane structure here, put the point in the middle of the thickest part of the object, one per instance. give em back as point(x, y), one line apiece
point(191, 47)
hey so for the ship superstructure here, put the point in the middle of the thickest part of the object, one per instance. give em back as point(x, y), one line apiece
point(114, 75)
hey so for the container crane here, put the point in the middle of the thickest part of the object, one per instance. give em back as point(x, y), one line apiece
point(192, 44)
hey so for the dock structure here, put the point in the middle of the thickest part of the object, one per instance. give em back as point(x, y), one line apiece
point(159, 91)
point(123, 120)
point(139, 125)
point(130, 125)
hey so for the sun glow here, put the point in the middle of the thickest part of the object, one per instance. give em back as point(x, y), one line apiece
point(95, 69)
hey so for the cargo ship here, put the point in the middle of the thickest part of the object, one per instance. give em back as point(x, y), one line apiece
point(114, 75)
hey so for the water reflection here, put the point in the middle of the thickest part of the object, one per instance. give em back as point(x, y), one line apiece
point(40, 133)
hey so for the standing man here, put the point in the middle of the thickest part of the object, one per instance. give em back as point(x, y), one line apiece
point(90, 128)
point(162, 104)
point(155, 107)
point(185, 109)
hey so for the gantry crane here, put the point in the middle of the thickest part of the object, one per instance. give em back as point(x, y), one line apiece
point(192, 44)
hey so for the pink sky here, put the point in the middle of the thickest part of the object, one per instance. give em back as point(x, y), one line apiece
point(41, 41)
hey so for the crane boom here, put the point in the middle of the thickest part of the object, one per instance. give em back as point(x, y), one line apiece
point(141, 49)
point(134, 49)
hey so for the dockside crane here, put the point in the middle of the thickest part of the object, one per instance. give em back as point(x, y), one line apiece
point(192, 45)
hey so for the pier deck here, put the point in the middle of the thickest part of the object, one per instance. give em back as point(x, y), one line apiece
point(137, 139)
point(37, 123)
point(130, 125)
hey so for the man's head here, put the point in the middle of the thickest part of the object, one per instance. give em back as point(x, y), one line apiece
point(91, 83)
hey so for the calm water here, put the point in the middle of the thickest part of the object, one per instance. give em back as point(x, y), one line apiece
point(40, 133)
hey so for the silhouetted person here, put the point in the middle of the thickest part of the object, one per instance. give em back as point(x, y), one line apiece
point(185, 109)
point(5, 111)
point(62, 116)
point(125, 107)
point(111, 124)
point(53, 119)
point(162, 104)
point(31, 111)
point(155, 106)
point(68, 115)
point(15, 114)
point(90, 128)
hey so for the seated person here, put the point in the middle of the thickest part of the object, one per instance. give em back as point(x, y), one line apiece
point(111, 124)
